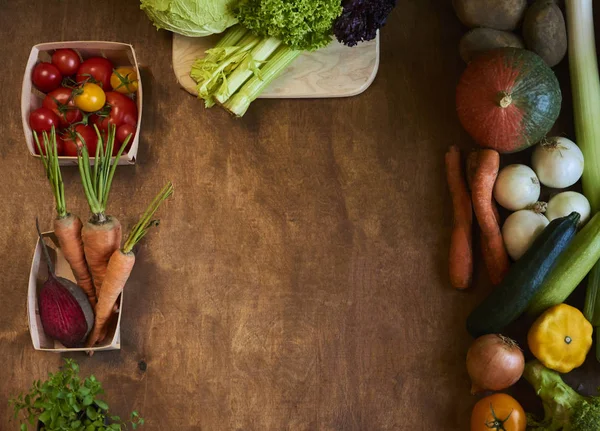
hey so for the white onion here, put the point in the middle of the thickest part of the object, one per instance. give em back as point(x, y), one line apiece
point(520, 229)
point(558, 162)
point(517, 187)
point(565, 203)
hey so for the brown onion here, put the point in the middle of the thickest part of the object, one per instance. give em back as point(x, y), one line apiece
point(494, 362)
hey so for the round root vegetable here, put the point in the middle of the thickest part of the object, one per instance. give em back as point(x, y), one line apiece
point(494, 253)
point(545, 31)
point(494, 362)
point(67, 227)
point(102, 233)
point(498, 14)
point(65, 311)
point(120, 266)
point(566, 202)
point(558, 162)
point(480, 40)
point(522, 227)
point(461, 250)
point(517, 187)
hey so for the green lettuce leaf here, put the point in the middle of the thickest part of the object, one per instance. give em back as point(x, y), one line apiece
point(191, 17)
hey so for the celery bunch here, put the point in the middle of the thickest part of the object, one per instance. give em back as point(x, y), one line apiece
point(251, 55)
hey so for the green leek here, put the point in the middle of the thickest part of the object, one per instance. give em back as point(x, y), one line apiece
point(585, 84)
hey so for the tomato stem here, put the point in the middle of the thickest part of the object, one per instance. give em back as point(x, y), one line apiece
point(496, 423)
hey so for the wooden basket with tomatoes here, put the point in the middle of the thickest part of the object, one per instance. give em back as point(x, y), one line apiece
point(79, 88)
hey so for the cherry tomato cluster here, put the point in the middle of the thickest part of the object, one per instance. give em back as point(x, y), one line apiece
point(81, 94)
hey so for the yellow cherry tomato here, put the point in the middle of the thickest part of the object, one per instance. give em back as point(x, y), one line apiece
point(90, 97)
point(124, 80)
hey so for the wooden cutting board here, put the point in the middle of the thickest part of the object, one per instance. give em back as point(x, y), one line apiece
point(334, 71)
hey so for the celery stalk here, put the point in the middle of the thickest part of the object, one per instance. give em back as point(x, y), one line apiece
point(247, 68)
point(239, 103)
point(211, 75)
point(585, 84)
point(218, 52)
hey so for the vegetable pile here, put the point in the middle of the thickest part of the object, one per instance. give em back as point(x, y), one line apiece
point(269, 37)
point(80, 94)
point(495, 24)
point(536, 252)
point(93, 251)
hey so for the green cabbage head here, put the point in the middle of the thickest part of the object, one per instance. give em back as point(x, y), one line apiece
point(191, 17)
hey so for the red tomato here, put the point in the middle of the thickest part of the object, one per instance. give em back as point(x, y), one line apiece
point(60, 102)
point(66, 60)
point(60, 144)
point(123, 131)
point(122, 111)
point(72, 141)
point(99, 121)
point(99, 68)
point(42, 119)
point(46, 77)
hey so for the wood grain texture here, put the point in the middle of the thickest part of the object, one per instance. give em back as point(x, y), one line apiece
point(334, 71)
point(298, 280)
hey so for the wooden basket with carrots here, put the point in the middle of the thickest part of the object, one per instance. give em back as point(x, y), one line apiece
point(100, 263)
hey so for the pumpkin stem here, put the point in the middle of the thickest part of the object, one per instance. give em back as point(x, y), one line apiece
point(504, 99)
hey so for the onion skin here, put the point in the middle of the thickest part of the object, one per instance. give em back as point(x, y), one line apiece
point(494, 363)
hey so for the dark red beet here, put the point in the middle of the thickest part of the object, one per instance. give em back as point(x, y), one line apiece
point(61, 315)
point(65, 311)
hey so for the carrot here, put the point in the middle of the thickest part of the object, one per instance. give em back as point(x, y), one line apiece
point(120, 266)
point(472, 164)
point(67, 227)
point(494, 252)
point(102, 233)
point(461, 250)
point(100, 240)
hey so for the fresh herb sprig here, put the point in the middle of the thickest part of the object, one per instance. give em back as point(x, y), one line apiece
point(65, 402)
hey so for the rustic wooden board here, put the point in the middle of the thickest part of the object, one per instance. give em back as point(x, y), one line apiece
point(334, 71)
point(298, 280)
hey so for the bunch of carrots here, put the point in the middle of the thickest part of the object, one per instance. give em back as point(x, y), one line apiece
point(93, 250)
point(472, 191)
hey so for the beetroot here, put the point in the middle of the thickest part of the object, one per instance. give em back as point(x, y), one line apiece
point(65, 311)
point(61, 315)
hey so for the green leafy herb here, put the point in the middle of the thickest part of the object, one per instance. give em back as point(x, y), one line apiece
point(66, 402)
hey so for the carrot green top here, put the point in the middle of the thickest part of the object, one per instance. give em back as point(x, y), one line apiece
point(49, 156)
point(97, 182)
point(146, 222)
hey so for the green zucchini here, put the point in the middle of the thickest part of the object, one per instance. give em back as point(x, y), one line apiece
point(572, 266)
point(512, 296)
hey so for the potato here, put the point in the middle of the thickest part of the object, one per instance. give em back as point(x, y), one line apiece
point(545, 32)
point(480, 40)
point(496, 14)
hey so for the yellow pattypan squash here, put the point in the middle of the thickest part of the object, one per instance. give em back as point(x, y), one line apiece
point(561, 338)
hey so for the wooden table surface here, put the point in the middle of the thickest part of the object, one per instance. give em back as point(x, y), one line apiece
point(298, 278)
